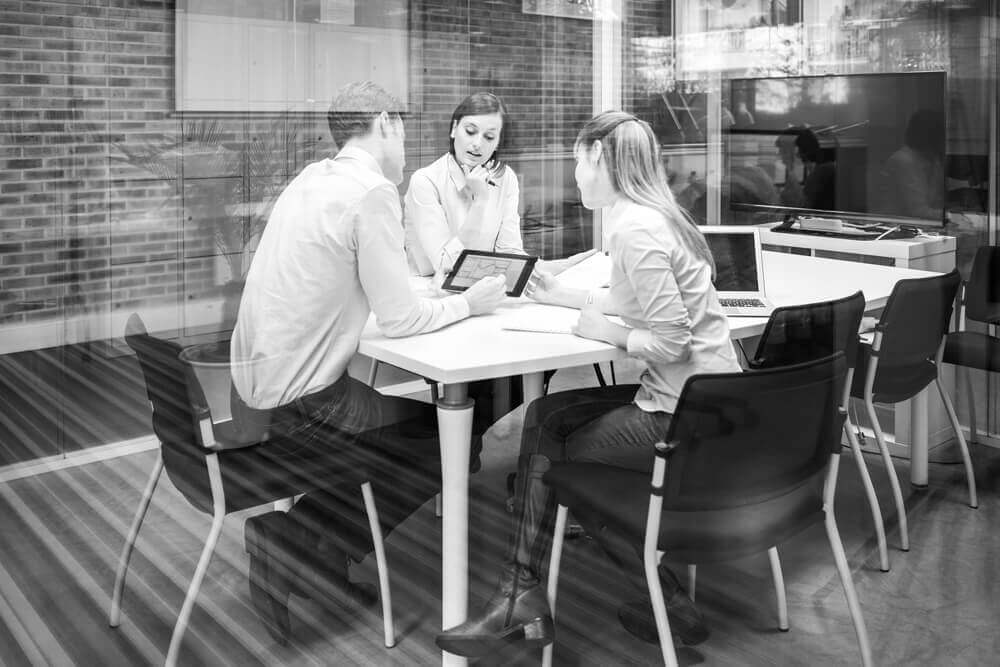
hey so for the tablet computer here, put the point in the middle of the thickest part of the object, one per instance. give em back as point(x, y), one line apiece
point(475, 264)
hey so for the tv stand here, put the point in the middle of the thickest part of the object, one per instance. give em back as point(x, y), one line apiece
point(930, 253)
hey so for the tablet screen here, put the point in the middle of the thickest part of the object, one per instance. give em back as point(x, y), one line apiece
point(472, 265)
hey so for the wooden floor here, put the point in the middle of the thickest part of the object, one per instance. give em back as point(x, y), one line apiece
point(65, 399)
point(61, 533)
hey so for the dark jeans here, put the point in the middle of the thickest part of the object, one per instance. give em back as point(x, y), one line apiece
point(600, 425)
point(395, 439)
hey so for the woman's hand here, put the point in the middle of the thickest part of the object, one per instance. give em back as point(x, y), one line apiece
point(543, 287)
point(479, 181)
point(593, 324)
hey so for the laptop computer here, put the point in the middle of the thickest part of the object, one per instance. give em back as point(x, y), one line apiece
point(739, 272)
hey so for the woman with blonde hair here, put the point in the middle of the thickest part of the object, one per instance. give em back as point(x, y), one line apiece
point(661, 287)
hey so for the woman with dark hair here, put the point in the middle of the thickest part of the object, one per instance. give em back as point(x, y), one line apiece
point(661, 287)
point(468, 197)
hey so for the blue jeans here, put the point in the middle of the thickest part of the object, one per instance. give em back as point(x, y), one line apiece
point(598, 425)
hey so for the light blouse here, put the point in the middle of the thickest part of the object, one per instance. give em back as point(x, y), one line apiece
point(664, 292)
point(437, 206)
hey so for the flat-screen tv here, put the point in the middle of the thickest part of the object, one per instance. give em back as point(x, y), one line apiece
point(852, 146)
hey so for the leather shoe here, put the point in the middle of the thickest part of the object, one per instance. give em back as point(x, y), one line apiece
point(506, 618)
point(686, 621)
point(323, 577)
point(269, 590)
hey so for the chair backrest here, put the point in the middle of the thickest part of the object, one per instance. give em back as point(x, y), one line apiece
point(172, 394)
point(982, 294)
point(916, 318)
point(743, 438)
point(795, 334)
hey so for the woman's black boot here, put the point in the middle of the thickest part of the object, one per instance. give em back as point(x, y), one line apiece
point(518, 611)
point(515, 613)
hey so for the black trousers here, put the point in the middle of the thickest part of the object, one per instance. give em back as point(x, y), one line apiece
point(395, 439)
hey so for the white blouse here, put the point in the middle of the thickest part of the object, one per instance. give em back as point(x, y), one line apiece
point(437, 206)
point(665, 293)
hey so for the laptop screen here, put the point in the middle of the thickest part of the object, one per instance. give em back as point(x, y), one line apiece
point(735, 255)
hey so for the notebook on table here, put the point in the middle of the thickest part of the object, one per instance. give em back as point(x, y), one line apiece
point(739, 270)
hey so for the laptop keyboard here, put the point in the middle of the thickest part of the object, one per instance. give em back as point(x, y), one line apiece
point(741, 303)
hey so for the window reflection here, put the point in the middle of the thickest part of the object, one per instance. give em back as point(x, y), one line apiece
point(138, 171)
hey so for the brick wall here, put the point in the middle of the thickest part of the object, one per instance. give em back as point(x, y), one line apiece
point(85, 83)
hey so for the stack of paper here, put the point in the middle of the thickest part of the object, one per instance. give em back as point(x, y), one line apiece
point(593, 272)
point(540, 319)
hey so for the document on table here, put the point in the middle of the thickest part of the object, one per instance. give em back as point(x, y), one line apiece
point(543, 319)
point(593, 272)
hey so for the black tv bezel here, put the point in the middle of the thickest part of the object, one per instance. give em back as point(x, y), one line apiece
point(787, 211)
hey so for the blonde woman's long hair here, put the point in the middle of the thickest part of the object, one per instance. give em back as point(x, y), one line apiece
point(633, 160)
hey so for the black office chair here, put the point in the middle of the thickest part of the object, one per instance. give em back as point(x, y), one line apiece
point(903, 358)
point(749, 460)
point(980, 302)
point(218, 474)
point(795, 334)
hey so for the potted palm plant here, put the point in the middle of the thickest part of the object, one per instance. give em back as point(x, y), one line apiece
point(227, 187)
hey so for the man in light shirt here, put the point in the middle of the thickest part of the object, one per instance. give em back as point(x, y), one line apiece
point(332, 254)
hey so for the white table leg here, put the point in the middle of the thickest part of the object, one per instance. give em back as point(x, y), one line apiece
point(454, 413)
point(532, 386)
point(918, 439)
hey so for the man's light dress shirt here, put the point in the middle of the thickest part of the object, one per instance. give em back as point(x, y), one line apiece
point(331, 254)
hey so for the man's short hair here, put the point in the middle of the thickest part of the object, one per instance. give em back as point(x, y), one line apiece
point(355, 106)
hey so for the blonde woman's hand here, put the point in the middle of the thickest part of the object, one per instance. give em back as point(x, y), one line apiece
point(542, 286)
point(595, 325)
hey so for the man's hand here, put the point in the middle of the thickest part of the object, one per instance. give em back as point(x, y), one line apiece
point(486, 295)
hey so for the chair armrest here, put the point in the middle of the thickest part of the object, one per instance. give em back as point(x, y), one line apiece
point(222, 436)
point(664, 449)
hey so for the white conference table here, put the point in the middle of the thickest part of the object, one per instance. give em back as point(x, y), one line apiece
point(479, 348)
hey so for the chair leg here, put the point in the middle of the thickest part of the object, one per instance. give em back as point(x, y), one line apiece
point(692, 580)
point(779, 588)
point(600, 375)
point(970, 474)
point(866, 482)
point(897, 493)
point(133, 533)
point(554, 561)
point(218, 515)
point(192, 593)
point(382, 566)
point(660, 611)
point(971, 398)
point(833, 535)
